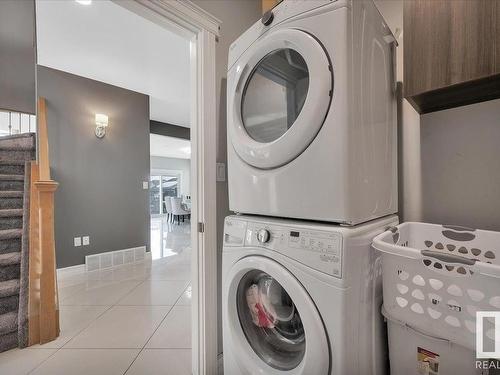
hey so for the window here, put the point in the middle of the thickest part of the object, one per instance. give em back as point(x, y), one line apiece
point(16, 123)
point(162, 187)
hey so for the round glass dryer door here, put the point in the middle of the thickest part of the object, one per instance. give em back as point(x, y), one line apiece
point(274, 95)
point(279, 96)
point(270, 321)
point(274, 326)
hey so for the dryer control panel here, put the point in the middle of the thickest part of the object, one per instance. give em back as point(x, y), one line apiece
point(321, 250)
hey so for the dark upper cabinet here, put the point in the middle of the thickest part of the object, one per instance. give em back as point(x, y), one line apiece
point(451, 52)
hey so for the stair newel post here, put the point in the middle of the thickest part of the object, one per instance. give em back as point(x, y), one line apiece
point(43, 295)
point(49, 309)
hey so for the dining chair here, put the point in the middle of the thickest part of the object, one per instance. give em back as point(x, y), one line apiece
point(168, 208)
point(178, 211)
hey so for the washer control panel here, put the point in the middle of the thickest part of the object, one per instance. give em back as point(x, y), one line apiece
point(321, 250)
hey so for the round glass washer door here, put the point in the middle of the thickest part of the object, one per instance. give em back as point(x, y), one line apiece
point(270, 321)
point(276, 327)
point(281, 89)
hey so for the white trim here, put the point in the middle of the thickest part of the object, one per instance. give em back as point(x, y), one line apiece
point(79, 268)
point(203, 182)
point(185, 13)
point(130, 252)
point(182, 17)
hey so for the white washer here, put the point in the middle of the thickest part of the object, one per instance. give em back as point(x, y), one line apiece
point(319, 292)
point(311, 114)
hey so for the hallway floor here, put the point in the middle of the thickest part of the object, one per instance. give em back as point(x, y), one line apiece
point(132, 320)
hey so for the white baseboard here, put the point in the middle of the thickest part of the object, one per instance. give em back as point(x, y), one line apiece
point(108, 260)
point(72, 269)
point(116, 258)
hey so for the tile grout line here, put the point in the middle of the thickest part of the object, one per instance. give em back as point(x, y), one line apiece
point(80, 331)
point(149, 339)
point(104, 312)
point(141, 280)
point(67, 342)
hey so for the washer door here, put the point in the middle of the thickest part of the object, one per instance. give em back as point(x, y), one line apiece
point(281, 94)
point(275, 327)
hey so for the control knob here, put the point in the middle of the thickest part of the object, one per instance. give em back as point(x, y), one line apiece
point(267, 18)
point(263, 235)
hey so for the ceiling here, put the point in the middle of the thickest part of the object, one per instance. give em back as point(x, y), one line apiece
point(169, 147)
point(106, 42)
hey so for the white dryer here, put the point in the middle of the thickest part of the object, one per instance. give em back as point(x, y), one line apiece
point(311, 114)
point(301, 298)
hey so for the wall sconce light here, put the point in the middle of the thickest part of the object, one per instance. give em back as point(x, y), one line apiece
point(101, 122)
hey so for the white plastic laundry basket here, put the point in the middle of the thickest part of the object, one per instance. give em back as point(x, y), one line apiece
point(412, 352)
point(435, 278)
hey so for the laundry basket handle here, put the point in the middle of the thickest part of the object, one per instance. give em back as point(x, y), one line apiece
point(448, 258)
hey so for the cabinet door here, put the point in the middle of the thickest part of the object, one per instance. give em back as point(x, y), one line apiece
point(269, 4)
point(450, 43)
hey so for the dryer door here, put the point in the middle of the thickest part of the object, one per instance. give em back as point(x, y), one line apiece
point(274, 325)
point(279, 96)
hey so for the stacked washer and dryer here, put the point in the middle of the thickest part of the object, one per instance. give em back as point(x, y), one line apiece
point(312, 174)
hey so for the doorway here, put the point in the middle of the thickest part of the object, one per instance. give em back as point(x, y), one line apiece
point(201, 30)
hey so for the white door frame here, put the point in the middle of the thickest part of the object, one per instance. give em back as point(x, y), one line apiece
point(189, 20)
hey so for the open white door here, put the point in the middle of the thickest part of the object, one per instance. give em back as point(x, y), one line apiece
point(204, 222)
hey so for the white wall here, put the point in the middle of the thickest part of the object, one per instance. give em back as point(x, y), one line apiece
point(111, 44)
point(410, 191)
point(460, 166)
point(159, 164)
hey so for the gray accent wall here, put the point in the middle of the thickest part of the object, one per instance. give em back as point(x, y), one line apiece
point(17, 55)
point(236, 17)
point(460, 159)
point(100, 192)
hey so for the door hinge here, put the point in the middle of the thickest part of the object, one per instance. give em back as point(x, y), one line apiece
point(201, 227)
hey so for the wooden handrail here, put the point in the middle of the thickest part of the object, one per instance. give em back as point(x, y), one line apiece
point(43, 141)
point(43, 313)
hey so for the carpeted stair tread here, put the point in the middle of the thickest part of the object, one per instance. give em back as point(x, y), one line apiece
point(8, 259)
point(12, 162)
point(9, 303)
point(18, 142)
point(20, 155)
point(8, 234)
point(16, 152)
point(8, 322)
point(11, 212)
point(8, 341)
point(9, 288)
point(12, 167)
point(11, 177)
point(11, 194)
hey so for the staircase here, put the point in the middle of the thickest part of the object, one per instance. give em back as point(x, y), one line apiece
point(16, 154)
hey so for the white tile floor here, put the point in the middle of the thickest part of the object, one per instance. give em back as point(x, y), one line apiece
point(129, 320)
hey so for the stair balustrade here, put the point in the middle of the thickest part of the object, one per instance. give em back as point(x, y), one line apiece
point(43, 314)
